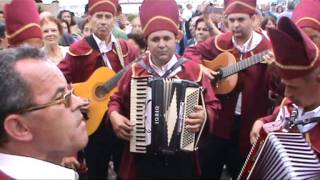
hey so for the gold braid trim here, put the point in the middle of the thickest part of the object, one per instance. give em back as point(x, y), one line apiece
point(308, 18)
point(30, 25)
point(101, 2)
point(240, 3)
point(159, 17)
point(72, 54)
point(293, 67)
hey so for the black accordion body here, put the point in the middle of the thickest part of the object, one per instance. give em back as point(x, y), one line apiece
point(158, 108)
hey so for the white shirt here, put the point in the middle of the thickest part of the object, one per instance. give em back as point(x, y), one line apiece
point(248, 46)
point(104, 48)
point(21, 167)
point(302, 115)
point(162, 70)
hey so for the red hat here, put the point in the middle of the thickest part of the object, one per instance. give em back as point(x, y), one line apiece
point(22, 21)
point(103, 5)
point(307, 14)
point(240, 6)
point(298, 56)
point(159, 15)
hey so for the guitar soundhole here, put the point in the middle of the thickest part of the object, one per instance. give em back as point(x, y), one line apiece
point(100, 92)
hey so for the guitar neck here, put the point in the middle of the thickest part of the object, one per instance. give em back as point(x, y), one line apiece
point(243, 64)
point(110, 84)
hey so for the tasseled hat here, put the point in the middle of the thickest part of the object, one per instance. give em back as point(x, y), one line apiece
point(298, 56)
point(22, 21)
point(307, 14)
point(240, 6)
point(103, 5)
point(159, 15)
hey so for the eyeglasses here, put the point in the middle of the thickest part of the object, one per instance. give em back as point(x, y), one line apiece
point(65, 99)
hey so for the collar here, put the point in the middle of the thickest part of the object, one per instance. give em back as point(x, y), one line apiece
point(103, 46)
point(21, 167)
point(161, 70)
point(306, 115)
point(250, 44)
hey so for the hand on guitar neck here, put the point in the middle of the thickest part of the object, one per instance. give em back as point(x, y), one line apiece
point(223, 70)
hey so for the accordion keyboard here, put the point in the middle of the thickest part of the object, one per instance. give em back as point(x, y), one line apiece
point(137, 114)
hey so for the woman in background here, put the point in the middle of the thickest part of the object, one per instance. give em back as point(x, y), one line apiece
point(52, 32)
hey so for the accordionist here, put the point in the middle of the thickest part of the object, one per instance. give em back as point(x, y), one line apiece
point(160, 28)
point(298, 62)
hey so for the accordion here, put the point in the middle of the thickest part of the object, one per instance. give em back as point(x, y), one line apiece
point(158, 109)
point(282, 156)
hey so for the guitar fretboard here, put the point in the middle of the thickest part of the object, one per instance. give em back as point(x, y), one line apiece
point(243, 64)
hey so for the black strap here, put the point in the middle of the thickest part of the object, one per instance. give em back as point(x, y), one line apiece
point(154, 73)
point(307, 121)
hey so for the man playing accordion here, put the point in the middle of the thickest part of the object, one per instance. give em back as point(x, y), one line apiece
point(159, 21)
point(298, 63)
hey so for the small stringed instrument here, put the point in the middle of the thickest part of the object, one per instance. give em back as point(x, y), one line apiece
point(227, 67)
point(98, 90)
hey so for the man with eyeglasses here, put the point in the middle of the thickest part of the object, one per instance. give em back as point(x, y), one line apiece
point(100, 49)
point(40, 119)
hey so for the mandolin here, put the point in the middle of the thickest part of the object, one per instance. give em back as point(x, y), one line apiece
point(227, 67)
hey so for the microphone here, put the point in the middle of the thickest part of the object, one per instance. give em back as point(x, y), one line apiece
point(290, 121)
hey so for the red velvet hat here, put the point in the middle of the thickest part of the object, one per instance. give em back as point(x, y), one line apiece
point(103, 5)
point(240, 6)
point(22, 21)
point(156, 15)
point(296, 55)
point(307, 14)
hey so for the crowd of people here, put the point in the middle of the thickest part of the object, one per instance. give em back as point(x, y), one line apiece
point(43, 122)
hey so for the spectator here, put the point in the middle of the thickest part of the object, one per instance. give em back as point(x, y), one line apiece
point(69, 17)
point(202, 31)
point(138, 40)
point(85, 27)
point(289, 11)
point(136, 25)
point(52, 32)
point(67, 39)
point(279, 11)
point(268, 22)
point(3, 38)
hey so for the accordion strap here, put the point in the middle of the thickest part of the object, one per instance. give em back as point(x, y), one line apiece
point(167, 73)
point(204, 122)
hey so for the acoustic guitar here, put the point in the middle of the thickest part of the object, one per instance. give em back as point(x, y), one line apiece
point(98, 90)
point(227, 67)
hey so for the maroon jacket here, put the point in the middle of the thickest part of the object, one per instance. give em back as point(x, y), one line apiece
point(4, 176)
point(253, 82)
point(120, 102)
point(84, 58)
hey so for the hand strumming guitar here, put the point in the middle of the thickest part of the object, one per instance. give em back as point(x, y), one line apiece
point(209, 72)
point(269, 58)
